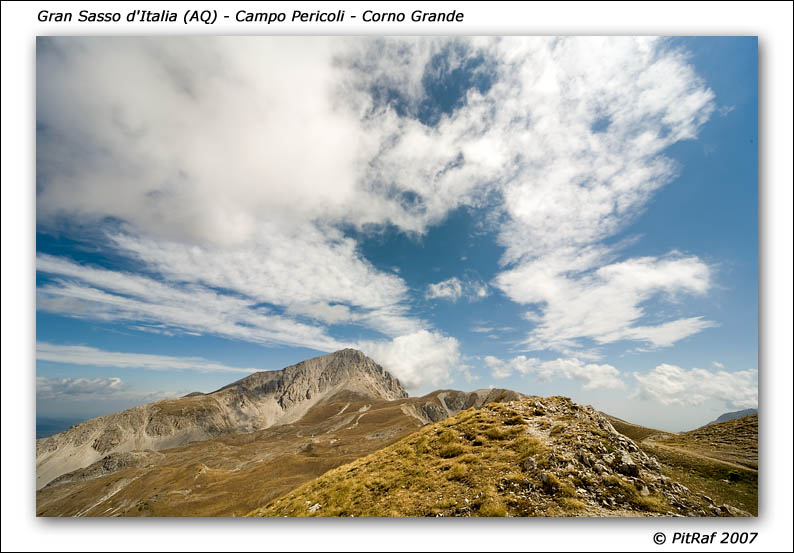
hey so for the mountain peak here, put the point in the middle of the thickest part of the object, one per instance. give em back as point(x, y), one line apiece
point(348, 352)
point(347, 369)
point(255, 402)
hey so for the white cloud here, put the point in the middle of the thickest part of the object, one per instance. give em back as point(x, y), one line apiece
point(86, 292)
point(329, 314)
point(581, 295)
point(482, 328)
point(499, 369)
point(454, 289)
point(196, 138)
point(718, 364)
point(451, 289)
point(49, 387)
point(672, 385)
point(593, 375)
point(418, 359)
point(231, 162)
point(281, 267)
point(85, 355)
point(92, 390)
point(189, 151)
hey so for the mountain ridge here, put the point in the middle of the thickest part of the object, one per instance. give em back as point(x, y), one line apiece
point(233, 473)
point(255, 402)
point(733, 415)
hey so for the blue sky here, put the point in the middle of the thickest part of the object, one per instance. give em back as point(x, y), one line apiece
point(573, 216)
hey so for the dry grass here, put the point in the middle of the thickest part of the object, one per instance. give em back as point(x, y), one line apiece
point(704, 459)
point(234, 474)
point(722, 483)
point(416, 478)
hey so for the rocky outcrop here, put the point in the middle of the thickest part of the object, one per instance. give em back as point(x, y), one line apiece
point(255, 402)
point(348, 369)
point(446, 403)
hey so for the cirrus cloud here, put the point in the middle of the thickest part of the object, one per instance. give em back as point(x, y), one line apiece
point(86, 355)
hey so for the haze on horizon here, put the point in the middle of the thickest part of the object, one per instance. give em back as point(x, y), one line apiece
point(568, 216)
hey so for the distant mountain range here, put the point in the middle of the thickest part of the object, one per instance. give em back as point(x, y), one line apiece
point(337, 435)
point(734, 415)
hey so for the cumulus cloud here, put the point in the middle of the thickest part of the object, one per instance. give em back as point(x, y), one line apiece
point(92, 389)
point(593, 375)
point(451, 289)
point(418, 359)
point(228, 165)
point(194, 138)
point(454, 289)
point(672, 385)
point(86, 355)
point(499, 369)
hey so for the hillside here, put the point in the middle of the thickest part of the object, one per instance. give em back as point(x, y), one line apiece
point(255, 402)
point(719, 459)
point(733, 441)
point(528, 457)
point(236, 473)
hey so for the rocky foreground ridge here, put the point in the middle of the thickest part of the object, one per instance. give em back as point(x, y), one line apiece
point(528, 457)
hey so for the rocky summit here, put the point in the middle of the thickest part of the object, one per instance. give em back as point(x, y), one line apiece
point(255, 402)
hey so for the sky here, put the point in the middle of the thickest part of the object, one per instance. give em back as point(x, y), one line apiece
point(557, 216)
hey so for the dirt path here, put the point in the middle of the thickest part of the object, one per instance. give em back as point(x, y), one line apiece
point(694, 454)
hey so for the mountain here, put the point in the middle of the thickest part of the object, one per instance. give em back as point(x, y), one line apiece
point(253, 403)
point(526, 457)
point(734, 415)
point(337, 435)
point(235, 473)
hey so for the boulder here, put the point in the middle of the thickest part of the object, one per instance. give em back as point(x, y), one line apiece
point(627, 466)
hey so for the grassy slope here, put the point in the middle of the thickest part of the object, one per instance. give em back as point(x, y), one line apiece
point(706, 459)
point(470, 465)
point(428, 473)
point(232, 475)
